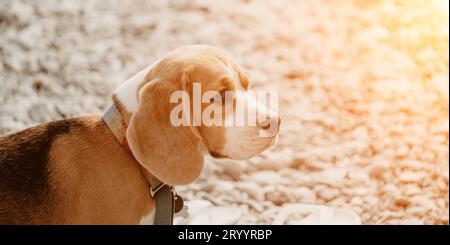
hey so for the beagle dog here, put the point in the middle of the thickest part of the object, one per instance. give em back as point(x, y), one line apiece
point(84, 171)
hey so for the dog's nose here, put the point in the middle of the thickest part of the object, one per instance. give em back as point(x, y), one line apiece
point(271, 124)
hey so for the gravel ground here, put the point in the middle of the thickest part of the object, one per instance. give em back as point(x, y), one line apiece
point(363, 92)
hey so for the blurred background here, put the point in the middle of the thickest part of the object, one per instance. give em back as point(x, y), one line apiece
point(363, 92)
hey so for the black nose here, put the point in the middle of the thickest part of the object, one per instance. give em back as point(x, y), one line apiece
point(267, 123)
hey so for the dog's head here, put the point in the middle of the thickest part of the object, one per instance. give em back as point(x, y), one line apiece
point(190, 85)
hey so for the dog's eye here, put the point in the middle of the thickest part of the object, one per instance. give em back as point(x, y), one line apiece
point(220, 97)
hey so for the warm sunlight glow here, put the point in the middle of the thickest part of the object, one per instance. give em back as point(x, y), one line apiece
point(442, 5)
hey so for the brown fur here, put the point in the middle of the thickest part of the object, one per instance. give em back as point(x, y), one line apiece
point(72, 172)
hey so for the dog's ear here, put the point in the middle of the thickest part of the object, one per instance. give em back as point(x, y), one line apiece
point(173, 154)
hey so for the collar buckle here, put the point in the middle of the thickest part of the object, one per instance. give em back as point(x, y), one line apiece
point(155, 189)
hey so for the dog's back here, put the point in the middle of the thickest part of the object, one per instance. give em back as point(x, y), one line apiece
point(25, 182)
point(70, 172)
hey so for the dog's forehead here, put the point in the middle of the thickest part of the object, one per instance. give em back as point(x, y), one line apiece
point(194, 60)
point(205, 64)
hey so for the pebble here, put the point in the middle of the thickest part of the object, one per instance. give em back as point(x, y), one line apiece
point(357, 201)
point(265, 177)
point(391, 189)
point(392, 221)
point(412, 190)
point(359, 191)
point(402, 151)
point(417, 211)
point(411, 221)
point(377, 170)
point(223, 215)
point(233, 168)
point(411, 177)
point(445, 176)
point(276, 198)
point(330, 176)
point(283, 157)
point(298, 162)
point(252, 189)
point(370, 201)
point(304, 195)
point(441, 220)
point(223, 186)
point(328, 194)
point(402, 202)
point(426, 203)
point(360, 177)
point(273, 166)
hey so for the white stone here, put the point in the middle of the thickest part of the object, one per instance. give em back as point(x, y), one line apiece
point(252, 189)
point(411, 177)
point(328, 194)
point(304, 195)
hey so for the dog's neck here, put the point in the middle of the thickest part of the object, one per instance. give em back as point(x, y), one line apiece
point(117, 121)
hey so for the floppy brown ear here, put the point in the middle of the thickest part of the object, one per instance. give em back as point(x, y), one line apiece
point(171, 153)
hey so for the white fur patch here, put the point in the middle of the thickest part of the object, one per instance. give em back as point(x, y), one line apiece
point(148, 219)
point(127, 92)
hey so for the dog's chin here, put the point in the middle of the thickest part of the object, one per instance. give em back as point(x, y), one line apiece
point(245, 153)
